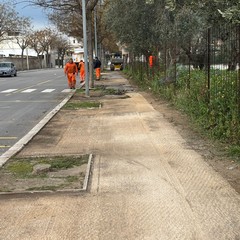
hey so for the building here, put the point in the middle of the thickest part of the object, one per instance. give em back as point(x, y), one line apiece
point(9, 48)
point(76, 49)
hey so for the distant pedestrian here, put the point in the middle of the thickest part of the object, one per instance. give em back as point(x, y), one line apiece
point(97, 67)
point(151, 61)
point(70, 71)
point(82, 71)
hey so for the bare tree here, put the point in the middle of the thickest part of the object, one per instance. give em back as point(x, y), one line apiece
point(46, 39)
point(34, 43)
point(66, 22)
point(10, 21)
point(23, 38)
point(62, 46)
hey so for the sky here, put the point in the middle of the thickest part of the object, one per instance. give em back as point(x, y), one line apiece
point(36, 14)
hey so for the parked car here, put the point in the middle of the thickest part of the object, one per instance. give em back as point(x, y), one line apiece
point(7, 69)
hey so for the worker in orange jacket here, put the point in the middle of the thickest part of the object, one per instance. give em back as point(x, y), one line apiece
point(71, 70)
point(151, 61)
point(97, 67)
point(82, 71)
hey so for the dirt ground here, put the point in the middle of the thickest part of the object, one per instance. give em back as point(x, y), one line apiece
point(214, 152)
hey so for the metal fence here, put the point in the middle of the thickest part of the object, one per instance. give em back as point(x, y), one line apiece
point(216, 52)
point(205, 72)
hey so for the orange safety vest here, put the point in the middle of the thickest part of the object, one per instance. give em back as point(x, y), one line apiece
point(81, 65)
point(151, 60)
point(71, 68)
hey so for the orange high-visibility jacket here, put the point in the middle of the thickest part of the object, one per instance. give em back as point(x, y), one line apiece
point(70, 68)
point(81, 65)
point(151, 60)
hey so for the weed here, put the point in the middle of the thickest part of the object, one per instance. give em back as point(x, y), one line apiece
point(79, 105)
point(45, 188)
point(112, 91)
point(80, 90)
point(234, 151)
point(214, 107)
point(4, 189)
point(72, 179)
point(62, 162)
point(21, 169)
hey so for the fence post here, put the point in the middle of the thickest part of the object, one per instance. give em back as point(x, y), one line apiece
point(189, 67)
point(165, 61)
point(238, 95)
point(208, 61)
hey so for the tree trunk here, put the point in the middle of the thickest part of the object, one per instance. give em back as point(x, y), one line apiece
point(22, 58)
point(58, 60)
point(40, 60)
point(62, 60)
point(47, 60)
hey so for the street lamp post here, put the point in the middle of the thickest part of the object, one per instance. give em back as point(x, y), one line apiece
point(95, 31)
point(85, 47)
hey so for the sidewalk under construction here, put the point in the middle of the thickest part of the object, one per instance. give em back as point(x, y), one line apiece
point(145, 183)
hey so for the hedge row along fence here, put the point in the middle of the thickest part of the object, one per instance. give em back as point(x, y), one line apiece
point(202, 79)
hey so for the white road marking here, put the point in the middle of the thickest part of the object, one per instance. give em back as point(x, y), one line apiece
point(68, 90)
point(7, 138)
point(48, 90)
point(29, 90)
point(8, 90)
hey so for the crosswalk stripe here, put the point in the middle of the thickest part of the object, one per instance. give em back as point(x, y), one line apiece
point(29, 90)
point(8, 90)
point(68, 90)
point(48, 90)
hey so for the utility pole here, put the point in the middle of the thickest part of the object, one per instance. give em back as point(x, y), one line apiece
point(95, 31)
point(85, 47)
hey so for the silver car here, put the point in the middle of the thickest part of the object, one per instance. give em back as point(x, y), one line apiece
point(7, 69)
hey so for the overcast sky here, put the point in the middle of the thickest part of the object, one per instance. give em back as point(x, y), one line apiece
point(36, 14)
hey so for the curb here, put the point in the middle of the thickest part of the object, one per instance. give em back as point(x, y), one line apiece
point(24, 140)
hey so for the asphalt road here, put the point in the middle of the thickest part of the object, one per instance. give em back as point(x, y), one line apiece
point(26, 99)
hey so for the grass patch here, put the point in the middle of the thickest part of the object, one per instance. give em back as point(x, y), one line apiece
point(22, 168)
point(80, 90)
point(28, 174)
point(98, 88)
point(63, 163)
point(79, 105)
point(235, 152)
point(112, 91)
point(4, 189)
point(44, 188)
point(71, 179)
